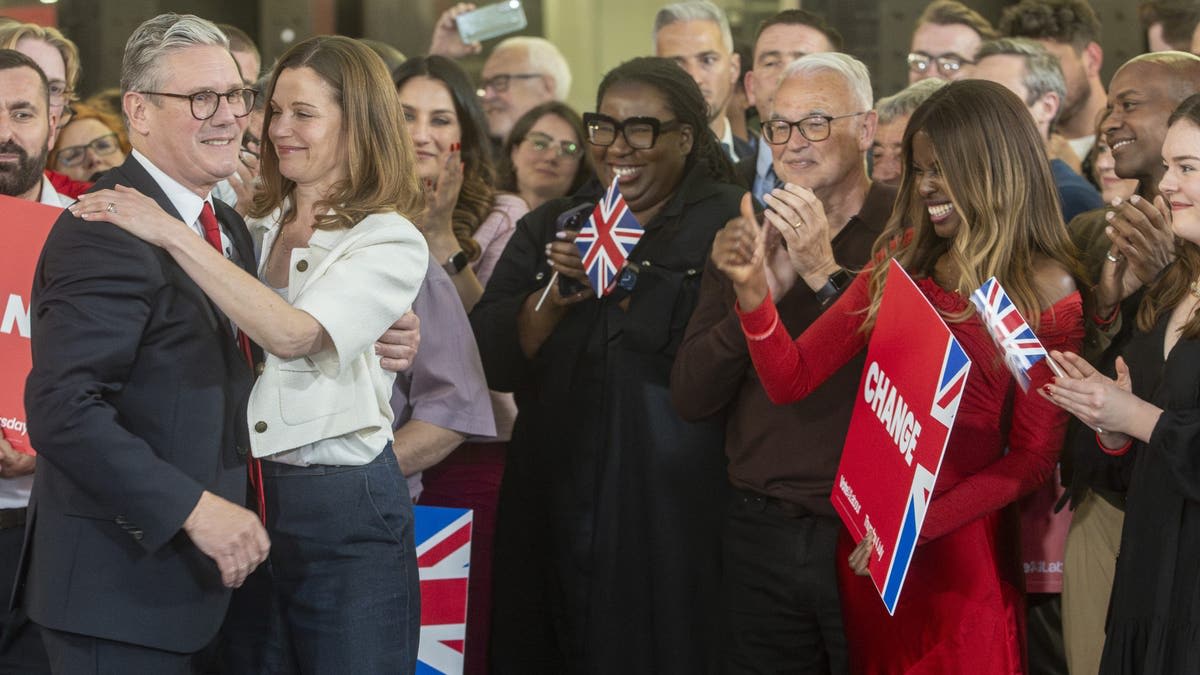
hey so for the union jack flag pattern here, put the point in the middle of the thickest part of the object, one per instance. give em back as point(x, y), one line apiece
point(443, 538)
point(1020, 347)
point(607, 239)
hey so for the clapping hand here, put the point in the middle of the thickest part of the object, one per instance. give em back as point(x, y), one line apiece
point(738, 251)
point(1141, 232)
point(1102, 403)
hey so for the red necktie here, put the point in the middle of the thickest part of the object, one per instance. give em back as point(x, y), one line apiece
point(212, 232)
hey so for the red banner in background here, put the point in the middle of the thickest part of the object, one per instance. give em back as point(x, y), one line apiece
point(906, 404)
point(26, 225)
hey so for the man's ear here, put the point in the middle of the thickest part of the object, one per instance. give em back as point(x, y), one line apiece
point(735, 65)
point(137, 111)
point(748, 85)
point(1093, 59)
point(52, 137)
point(1045, 109)
point(867, 133)
point(686, 139)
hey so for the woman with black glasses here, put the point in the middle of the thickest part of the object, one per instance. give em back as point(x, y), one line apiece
point(610, 510)
point(544, 156)
point(91, 143)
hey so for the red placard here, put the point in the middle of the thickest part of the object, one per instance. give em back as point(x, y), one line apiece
point(906, 404)
point(26, 225)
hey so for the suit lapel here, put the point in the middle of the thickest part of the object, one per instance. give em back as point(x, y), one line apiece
point(134, 175)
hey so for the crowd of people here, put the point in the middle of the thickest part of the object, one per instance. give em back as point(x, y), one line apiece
point(279, 308)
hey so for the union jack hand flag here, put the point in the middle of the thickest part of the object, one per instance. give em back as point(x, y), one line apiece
point(1020, 347)
point(443, 539)
point(607, 239)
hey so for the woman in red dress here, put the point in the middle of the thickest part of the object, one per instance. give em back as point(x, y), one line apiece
point(978, 192)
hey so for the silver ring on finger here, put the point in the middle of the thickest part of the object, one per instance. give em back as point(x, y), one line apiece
point(1112, 258)
point(1099, 430)
point(111, 208)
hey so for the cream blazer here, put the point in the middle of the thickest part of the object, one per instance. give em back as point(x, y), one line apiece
point(333, 407)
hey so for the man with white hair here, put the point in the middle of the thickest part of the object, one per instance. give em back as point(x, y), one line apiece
point(521, 73)
point(696, 36)
point(782, 612)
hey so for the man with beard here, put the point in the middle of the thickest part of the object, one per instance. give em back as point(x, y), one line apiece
point(25, 135)
point(1069, 30)
point(696, 36)
point(1137, 236)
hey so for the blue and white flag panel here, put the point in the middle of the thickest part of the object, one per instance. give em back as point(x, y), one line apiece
point(1015, 339)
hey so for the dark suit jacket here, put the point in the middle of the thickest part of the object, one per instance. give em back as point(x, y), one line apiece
point(745, 170)
point(136, 404)
point(744, 149)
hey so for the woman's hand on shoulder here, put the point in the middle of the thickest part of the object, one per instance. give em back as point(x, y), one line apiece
point(131, 211)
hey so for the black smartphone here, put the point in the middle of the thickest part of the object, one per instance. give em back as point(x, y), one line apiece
point(572, 219)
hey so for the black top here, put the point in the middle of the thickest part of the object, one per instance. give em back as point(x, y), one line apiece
point(624, 498)
point(1154, 614)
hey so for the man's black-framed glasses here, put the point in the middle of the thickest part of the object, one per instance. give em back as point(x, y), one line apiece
point(641, 133)
point(542, 142)
point(499, 83)
point(205, 103)
point(104, 145)
point(947, 65)
point(815, 128)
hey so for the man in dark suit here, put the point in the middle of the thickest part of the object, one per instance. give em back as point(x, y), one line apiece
point(137, 397)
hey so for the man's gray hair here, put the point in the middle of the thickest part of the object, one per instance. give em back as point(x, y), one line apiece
point(544, 56)
point(904, 102)
point(1043, 72)
point(157, 37)
point(698, 10)
point(853, 71)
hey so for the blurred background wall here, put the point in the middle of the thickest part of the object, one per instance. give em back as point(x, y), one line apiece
point(595, 35)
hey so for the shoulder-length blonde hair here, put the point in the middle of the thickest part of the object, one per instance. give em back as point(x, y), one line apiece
point(994, 167)
point(1176, 281)
point(381, 176)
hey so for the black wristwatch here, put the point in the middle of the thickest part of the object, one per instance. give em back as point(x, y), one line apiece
point(456, 263)
point(837, 282)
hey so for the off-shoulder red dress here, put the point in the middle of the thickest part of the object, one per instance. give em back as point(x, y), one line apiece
point(961, 608)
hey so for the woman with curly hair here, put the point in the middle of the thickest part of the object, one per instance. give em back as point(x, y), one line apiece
point(466, 222)
point(607, 545)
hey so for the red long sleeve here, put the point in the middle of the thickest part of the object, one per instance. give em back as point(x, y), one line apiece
point(791, 370)
point(978, 475)
point(1034, 439)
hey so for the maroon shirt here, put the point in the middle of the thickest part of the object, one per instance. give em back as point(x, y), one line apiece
point(789, 452)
